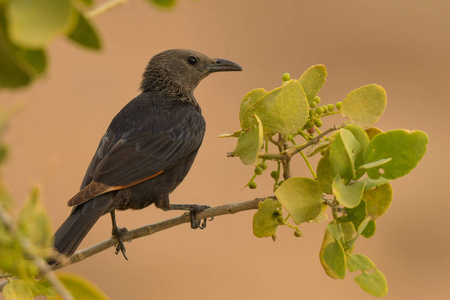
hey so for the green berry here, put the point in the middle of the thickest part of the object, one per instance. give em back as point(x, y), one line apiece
point(290, 137)
point(258, 170)
point(318, 122)
point(280, 220)
point(330, 107)
point(312, 112)
point(325, 108)
point(319, 110)
point(317, 99)
point(338, 105)
point(297, 233)
point(275, 175)
point(252, 185)
point(308, 124)
point(286, 77)
point(313, 104)
point(263, 165)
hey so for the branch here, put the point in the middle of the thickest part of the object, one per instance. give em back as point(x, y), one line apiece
point(163, 225)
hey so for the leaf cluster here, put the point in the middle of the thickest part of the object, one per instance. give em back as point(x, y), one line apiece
point(352, 177)
point(27, 27)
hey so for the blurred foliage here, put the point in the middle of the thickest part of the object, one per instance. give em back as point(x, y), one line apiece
point(27, 27)
point(352, 177)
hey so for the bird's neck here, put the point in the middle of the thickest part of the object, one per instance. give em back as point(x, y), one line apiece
point(162, 85)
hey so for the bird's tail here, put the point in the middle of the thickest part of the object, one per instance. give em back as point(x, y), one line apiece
point(69, 236)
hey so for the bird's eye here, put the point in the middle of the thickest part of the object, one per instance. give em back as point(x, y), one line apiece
point(191, 60)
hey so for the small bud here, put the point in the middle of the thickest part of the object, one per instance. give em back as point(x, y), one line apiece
point(318, 122)
point(286, 77)
point(338, 105)
point(319, 110)
point(252, 185)
point(258, 170)
point(313, 104)
point(330, 107)
point(263, 165)
point(297, 233)
point(280, 220)
point(275, 175)
point(317, 99)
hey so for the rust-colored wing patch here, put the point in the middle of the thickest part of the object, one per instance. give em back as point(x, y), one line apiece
point(95, 189)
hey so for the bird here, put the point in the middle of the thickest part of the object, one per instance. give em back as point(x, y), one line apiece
point(147, 150)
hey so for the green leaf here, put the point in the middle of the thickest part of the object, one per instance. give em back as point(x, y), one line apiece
point(370, 229)
point(375, 163)
point(36, 59)
point(378, 200)
point(372, 131)
point(312, 81)
point(324, 175)
point(250, 142)
point(12, 259)
point(365, 105)
point(322, 216)
point(405, 148)
point(249, 99)
point(81, 288)
point(351, 145)
point(372, 183)
point(17, 289)
point(363, 140)
point(355, 215)
point(340, 162)
point(348, 195)
point(85, 34)
point(332, 256)
point(226, 135)
point(371, 279)
point(34, 23)
point(316, 148)
point(283, 110)
point(301, 197)
point(265, 219)
point(34, 222)
point(164, 3)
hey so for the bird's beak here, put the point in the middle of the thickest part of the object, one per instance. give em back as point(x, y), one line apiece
point(223, 65)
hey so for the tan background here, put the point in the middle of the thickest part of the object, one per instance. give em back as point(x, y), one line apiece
point(401, 45)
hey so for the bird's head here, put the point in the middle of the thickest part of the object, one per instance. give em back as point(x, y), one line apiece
point(185, 68)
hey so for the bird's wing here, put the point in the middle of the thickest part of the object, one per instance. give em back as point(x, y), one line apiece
point(138, 157)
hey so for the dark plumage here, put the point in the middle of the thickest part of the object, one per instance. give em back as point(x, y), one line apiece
point(149, 146)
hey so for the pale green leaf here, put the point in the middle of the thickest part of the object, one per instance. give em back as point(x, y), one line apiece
point(351, 145)
point(372, 131)
point(265, 219)
point(371, 279)
point(81, 288)
point(332, 256)
point(17, 289)
point(34, 23)
point(301, 197)
point(378, 200)
point(372, 183)
point(340, 162)
point(312, 81)
point(348, 195)
point(283, 110)
point(405, 148)
point(322, 216)
point(249, 99)
point(365, 105)
point(250, 142)
point(375, 163)
point(324, 175)
point(226, 135)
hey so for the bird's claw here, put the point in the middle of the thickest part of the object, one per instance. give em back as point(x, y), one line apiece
point(198, 223)
point(118, 234)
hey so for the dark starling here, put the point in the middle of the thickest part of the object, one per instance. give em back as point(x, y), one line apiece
point(147, 149)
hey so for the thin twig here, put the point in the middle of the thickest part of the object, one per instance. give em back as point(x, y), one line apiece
point(44, 268)
point(104, 7)
point(163, 225)
point(292, 151)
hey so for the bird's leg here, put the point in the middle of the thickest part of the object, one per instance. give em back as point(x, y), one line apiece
point(118, 233)
point(193, 208)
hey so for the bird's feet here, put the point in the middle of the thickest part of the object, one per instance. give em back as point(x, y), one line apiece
point(193, 209)
point(118, 233)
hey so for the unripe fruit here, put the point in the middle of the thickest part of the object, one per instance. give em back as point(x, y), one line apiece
point(312, 112)
point(325, 108)
point(313, 104)
point(308, 124)
point(286, 77)
point(290, 137)
point(252, 185)
point(263, 165)
point(318, 122)
point(280, 220)
point(297, 234)
point(258, 170)
point(317, 99)
point(319, 110)
point(338, 105)
point(330, 107)
point(275, 175)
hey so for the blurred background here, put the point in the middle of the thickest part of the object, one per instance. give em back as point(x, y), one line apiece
point(401, 45)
